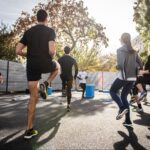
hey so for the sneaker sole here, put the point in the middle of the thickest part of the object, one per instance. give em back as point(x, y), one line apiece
point(43, 91)
point(29, 137)
point(122, 114)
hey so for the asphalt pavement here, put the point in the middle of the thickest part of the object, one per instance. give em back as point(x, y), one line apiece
point(90, 125)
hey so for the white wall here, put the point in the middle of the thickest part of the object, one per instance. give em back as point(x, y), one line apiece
point(17, 80)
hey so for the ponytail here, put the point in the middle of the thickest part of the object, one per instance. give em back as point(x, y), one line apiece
point(126, 39)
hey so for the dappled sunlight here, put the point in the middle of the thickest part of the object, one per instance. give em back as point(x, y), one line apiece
point(54, 123)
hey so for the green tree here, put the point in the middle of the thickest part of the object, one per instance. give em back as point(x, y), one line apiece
point(88, 59)
point(73, 26)
point(144, 55)
point(142, 20)
point(7, 43)
point(108, 62)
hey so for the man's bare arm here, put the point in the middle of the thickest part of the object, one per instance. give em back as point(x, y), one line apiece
point(52, 48)
point(19, 49)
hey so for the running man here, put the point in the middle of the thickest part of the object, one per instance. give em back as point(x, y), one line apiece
point(67, 63)
point(40, 43)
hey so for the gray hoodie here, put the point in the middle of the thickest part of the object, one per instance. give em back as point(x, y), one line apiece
point(128, 63)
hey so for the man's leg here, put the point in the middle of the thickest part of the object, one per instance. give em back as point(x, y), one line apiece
point(69, 95)
point(64, 84)
point(144, 87)
point(136, 97)
point(43, 87)
point(53, 73)
point(139, 108)
point(33, 88)
point(142, 80)
point(134, 94)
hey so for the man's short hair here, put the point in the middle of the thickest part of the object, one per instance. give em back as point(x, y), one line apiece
point(67, 49)
point(41, 15)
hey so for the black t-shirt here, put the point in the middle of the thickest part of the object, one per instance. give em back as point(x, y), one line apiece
point(36, 39)
point(67, 62)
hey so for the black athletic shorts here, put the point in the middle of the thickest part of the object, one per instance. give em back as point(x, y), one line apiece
point(34, 71)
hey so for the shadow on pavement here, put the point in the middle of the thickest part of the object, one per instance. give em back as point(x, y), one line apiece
point(130, 139)
point(144, 120)
point(88, 107)
point(12, 114)
point(146, 103)
point(47, 120)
